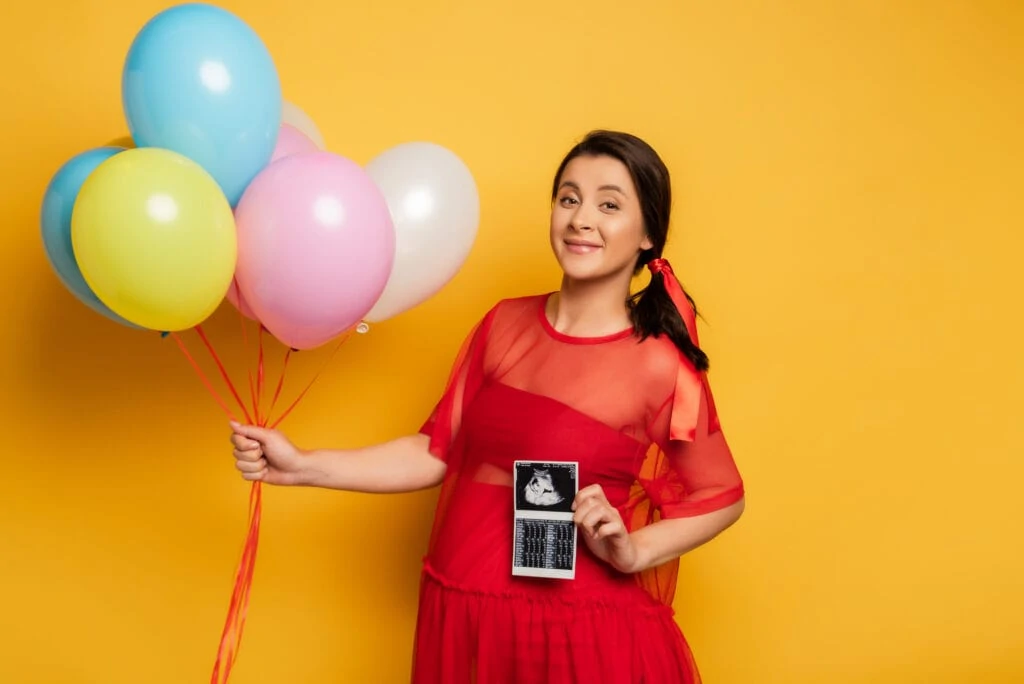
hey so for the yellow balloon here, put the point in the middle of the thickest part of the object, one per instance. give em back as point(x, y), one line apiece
point(155, 238)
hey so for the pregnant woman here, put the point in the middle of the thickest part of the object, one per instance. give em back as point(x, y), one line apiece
point(591, 374)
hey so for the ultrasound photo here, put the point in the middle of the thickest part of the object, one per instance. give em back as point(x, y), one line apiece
point(544, 543)
point(545, 486)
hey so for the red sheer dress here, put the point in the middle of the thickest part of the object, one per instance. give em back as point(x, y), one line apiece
point(641, 423)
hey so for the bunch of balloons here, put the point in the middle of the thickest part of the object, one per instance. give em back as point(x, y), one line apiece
point(225, 190)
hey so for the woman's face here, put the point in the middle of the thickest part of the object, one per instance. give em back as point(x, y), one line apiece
point(597, 228)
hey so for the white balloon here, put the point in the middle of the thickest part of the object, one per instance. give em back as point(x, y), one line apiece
point(435, 209)
point(293, 115)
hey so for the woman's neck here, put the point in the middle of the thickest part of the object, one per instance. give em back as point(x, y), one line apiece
point(589, 309)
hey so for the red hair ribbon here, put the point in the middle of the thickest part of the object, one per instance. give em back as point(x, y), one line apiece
point(690, 382)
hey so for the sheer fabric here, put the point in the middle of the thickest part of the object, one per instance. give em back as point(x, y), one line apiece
point(641, 422)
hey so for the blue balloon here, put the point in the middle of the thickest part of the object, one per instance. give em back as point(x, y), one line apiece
point(200, 82)
point(58, 205)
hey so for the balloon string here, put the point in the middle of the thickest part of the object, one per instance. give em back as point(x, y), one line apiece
point(238, 608)
point(295, 403)
point(234, 624)
point(255, 514)
point(223, 372)
point(259, 381)
point(245, 346)
point(202, 376)
point(280, 381)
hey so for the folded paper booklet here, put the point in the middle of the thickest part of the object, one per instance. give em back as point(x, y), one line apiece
point(544, 543)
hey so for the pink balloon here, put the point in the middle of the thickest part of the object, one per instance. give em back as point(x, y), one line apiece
point(315, 247)
point(291, 141)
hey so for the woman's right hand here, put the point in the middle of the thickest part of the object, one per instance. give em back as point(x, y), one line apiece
point(266, 455)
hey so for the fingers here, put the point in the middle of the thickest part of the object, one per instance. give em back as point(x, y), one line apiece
point(248, 436)
point(250, 460)
point(252, 470)
point(248, 455)
point(592, 510)
point(593, 518)
point(252, 477)
point(250, 432)
point(248, 451)
point(597, 518)
point(251, 466)
point(592, 492)
point(241, 442)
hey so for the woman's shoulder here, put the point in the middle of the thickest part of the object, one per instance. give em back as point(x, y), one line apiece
point(506, 315)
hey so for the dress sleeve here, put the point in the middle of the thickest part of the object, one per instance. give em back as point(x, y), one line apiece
point(697, 473)
point(465, 380)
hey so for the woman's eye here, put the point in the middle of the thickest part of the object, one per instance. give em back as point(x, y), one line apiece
point(611, 205)
point(568, 201)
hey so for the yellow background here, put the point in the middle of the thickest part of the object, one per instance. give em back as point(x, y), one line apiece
point(848, 179)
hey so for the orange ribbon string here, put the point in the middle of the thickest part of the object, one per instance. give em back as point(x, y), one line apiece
point(231, 635)
point(234, 623)
point(245, 346)
point(280, 381)
point(295, 403)
point(202, 376)
point(223, 372)
point(259, 377)
point(238, 607)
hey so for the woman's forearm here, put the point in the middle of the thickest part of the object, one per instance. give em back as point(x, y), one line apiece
point(401, 465)
point(670, 538)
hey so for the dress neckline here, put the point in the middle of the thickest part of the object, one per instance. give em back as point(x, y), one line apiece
point(572, 339)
